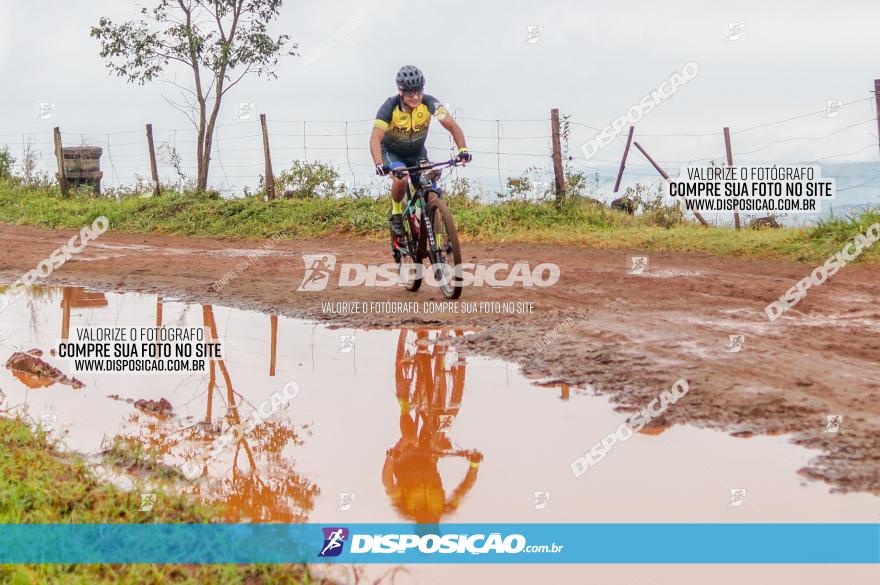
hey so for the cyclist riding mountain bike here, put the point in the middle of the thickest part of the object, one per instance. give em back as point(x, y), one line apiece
point(399, 134)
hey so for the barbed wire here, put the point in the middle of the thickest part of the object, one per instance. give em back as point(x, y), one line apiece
point(509, 143)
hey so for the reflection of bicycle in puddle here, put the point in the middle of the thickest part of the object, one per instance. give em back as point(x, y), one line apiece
point(429, 375)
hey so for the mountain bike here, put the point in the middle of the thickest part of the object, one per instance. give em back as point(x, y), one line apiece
point(430, 232)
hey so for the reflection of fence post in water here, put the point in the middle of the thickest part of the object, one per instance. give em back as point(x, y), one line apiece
point(159, 311)
point(158, 319)
point(208, 319)
point(73, 297)
point(212, 375)
point(212, 383)
point(273, 325)
point(65, 312)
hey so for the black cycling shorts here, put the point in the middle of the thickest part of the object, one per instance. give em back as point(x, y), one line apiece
point(389, 157)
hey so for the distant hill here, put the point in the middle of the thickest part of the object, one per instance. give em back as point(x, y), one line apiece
point(858, 186)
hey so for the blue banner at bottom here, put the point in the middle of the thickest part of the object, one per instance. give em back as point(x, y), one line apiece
point(443, 543)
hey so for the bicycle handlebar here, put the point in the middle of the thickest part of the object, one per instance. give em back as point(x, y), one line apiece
point(469, 453)
point(459, 453)
point(419, 168)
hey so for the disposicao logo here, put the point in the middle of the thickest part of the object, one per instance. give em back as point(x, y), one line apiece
point(428, 544)
point(317, 271)
point(334, 542)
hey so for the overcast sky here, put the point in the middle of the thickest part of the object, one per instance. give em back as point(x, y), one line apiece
point(592, 60)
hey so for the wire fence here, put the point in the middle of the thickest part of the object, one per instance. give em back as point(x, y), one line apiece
point(833, 137)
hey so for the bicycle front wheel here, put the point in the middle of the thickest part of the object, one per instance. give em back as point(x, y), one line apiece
point(446, 258)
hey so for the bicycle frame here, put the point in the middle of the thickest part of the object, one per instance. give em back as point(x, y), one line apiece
point(423, 206)
point(415, 198)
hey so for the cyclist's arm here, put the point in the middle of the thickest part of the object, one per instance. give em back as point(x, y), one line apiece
point(452, 126)
point(391, 487)
point(376, 145)
point(380, 126)
point(461, 491)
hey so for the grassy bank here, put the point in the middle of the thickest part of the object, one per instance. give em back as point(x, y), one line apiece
point(579, 222)
point(39, 484)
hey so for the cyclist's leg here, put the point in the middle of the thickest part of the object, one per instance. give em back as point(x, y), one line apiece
point(398, 189)
point(398, 186)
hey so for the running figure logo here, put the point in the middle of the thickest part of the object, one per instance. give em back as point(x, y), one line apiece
point(317, 274)
point(736, 343)
point(832, 108)
point(737, 496)
point(734, 31)
point(833, 422)
point(639, 264)
point(334, 541)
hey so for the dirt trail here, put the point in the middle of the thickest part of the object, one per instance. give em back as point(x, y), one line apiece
point(631, 335)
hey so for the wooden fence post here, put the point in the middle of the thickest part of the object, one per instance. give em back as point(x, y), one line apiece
point(59, 157)
point(154, 168)
point(629, 139)
point(270, 177)
point(877, 104)
point(558, 173)
point(665, 176)
point(730, 164)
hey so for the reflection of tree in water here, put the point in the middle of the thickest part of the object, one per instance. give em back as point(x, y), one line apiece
point(156, 436)
point(250, 480)
point(253, 490)
point(429, 379)
point(259, 485)
point(272, 492)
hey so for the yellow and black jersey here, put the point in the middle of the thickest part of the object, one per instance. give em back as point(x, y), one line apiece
point(406, 132)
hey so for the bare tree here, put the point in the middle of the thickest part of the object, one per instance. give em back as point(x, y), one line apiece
point(218, 42)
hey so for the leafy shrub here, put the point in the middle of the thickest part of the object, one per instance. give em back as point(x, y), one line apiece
point(517, 188)
point(308, 180)
point(7, 162)
point(655, 210)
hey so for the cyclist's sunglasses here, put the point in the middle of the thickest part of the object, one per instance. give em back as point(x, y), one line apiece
point(416, 93)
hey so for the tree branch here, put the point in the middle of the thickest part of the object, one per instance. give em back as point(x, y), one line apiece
point(186, 111)
point(240, 77)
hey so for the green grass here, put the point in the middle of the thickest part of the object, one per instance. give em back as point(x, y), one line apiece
point(577, 223)
point(40, 484)
point(131, 455)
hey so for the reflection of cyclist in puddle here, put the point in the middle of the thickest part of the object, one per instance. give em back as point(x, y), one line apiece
point(430, 384)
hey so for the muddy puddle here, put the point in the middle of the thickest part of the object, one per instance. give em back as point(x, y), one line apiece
point(391, 426)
